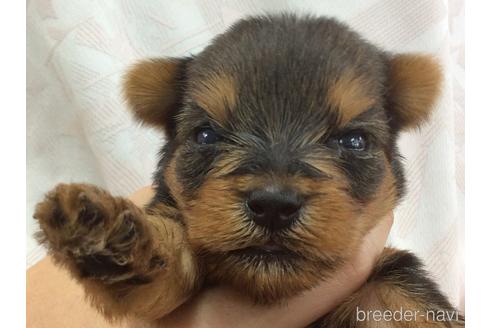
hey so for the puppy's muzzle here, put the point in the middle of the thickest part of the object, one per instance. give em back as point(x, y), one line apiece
point(274, 209)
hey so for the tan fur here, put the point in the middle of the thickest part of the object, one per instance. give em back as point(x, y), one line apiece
point(172, 181)
point(216, 223)
point(332, 225)
point(150, 88)
point(217, 95)
point(350, 94)
point(415, 83)
point(330, 230)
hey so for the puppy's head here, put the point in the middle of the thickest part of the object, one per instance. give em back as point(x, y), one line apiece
point(281, 152)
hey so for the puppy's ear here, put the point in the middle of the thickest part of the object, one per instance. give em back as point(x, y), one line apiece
point(414, 87)
point(153, 88)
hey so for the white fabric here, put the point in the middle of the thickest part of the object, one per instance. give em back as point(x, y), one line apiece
point(78, 129)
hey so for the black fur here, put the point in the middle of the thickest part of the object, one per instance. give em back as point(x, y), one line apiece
point(282, 66)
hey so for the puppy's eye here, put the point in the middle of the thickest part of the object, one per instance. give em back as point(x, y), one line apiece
point(206, 136)
point(353, 141)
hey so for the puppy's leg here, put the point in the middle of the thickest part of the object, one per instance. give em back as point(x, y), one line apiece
point(129, 261)
point(398, 294)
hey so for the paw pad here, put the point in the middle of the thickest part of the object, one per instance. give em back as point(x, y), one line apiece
point(89, 214)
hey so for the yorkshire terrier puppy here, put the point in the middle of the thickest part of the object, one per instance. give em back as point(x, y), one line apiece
point(281, 156)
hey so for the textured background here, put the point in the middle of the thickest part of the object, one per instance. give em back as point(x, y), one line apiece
point(78, 129)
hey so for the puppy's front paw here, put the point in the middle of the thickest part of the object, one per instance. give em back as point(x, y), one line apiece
point(86, 226)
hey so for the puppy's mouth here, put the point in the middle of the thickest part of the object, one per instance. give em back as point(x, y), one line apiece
point(267, 252)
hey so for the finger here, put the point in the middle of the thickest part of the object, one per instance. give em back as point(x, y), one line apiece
point(373, 244)
point(142, 196)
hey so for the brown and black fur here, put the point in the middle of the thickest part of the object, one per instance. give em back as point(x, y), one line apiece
point(280, 92)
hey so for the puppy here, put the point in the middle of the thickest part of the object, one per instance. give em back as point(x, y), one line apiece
point(281, 156)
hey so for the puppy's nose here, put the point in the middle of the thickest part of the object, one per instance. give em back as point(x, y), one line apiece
point(274, 210)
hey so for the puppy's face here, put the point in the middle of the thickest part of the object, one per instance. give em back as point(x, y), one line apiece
point(281, 152)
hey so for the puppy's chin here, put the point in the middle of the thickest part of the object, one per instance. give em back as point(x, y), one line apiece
point(268, 274)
